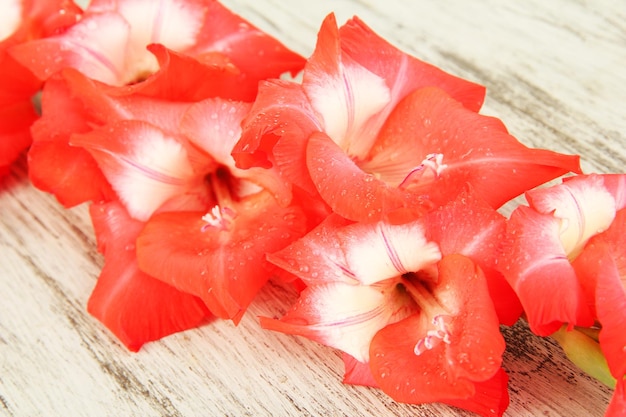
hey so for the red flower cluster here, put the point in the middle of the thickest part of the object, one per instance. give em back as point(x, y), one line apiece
point(373, 184)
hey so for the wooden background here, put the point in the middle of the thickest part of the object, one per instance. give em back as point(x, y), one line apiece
point(555, 73)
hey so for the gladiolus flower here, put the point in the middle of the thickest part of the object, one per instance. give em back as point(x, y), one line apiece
point(565, 258)
point(378, 135)
point(109, 43)
point(386, 294)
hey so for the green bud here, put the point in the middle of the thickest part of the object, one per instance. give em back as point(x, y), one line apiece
point(585, 353)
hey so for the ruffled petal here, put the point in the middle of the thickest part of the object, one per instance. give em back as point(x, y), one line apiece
point(96, 46)
point(344, 94)
point(403, 73)
point(136, 307)
point(535, 264)
point(611, 306)
point(601, 267)
point(491, 397)
point(276, 130)
point(431, 146)
point(225, 266)
point(184, 78)
point(317, 258)
point(70, 173)
point(257, 54)
point(350, 191)
point(470, 227)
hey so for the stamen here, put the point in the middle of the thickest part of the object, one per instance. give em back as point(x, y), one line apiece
point(433, 164)
point(219, 217)
point(435, 336)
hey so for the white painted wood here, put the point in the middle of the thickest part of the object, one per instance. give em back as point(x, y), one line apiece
point(555, 73)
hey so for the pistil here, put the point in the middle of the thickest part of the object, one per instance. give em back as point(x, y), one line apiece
point(432, 164)
point(428, 304)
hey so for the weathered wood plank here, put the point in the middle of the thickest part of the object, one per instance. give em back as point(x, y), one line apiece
point(555, 75)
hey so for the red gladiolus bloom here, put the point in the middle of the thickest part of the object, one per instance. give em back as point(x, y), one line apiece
point(109, 43)
point(73, 104)
point(571, 242)
point(136, 307)
point(208, 223)
point(375, 134)
point(386, 294)
point(21, 21)
point(547, 236)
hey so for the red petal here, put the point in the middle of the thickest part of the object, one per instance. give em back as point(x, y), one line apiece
point(95, 45)
point(36, 19)
point(617, 406)
point(468, 226)
point(258, 55)
point(447, 371)
point(344, 316)
point(348, 190)
point(473, 148)
point(491, 397)
point(184, 78)
point(226, 268)
point(105, 104)
point(347, 97)
point(15, 130)
point(357, 373)
point(611, 305)
point(472, 228)
point(601, 267)
point(18, 83)
point(317, 258)
point(536, 266)
point(584, 206)
point(276, 130)
point(403, 73)
point(71, 174)
point(136, 307)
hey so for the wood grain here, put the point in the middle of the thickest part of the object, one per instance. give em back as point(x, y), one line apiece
point(554, 73)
